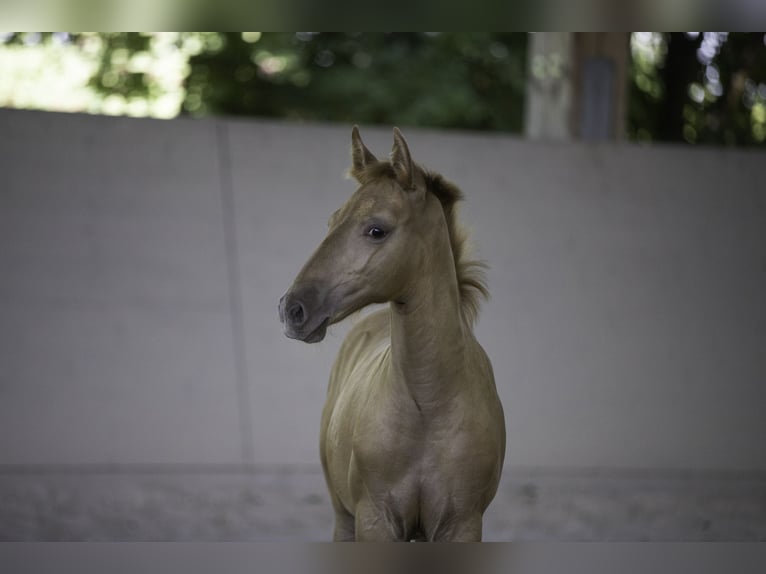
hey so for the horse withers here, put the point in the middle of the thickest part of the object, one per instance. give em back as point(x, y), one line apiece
point(412, 436)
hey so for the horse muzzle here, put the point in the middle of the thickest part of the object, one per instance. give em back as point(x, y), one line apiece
point(298, 320)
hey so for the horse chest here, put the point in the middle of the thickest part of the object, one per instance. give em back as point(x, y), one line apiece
point(401, 444)
point(420, 478)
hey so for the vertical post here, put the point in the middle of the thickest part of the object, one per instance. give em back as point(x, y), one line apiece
point(577, 86)
point(600, 73)
point(549, 86)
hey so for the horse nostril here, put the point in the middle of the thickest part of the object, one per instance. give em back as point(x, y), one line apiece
point(297, 314)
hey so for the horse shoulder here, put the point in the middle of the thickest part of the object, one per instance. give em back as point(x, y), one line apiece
point(360, 358)
point(474, 428)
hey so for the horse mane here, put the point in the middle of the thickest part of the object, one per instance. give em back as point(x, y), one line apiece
point(471, 273)
point(471, 276)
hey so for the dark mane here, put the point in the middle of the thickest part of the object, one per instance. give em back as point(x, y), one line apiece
point(471, 277)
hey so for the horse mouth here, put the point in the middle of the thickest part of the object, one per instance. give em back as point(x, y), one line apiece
point(317, 334)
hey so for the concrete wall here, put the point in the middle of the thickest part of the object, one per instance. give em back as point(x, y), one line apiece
point(141, 263)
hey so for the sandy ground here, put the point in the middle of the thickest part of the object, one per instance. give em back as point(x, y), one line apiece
point(290, 503)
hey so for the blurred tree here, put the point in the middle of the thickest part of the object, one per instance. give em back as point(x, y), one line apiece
point(457, 80)
point(444, 80)
point(696, 87)
point(705, 87)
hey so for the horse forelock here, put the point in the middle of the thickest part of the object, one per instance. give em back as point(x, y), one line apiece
point(471, 276)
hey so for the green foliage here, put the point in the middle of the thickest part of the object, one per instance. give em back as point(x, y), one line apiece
point(114, 75)
point(706, 88)
point(444, 80)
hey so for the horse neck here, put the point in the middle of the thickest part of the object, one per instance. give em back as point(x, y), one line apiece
point(427, 330)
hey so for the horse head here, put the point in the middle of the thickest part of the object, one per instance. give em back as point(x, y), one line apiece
point(376, 242)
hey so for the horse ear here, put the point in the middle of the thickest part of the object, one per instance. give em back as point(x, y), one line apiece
point(401, 161)
point(361, 157)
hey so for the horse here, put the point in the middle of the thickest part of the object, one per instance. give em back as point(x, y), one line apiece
point(412, 437)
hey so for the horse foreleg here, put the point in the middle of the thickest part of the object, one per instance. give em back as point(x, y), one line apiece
point(467, 529)
point(344, 527)
point(374, 524)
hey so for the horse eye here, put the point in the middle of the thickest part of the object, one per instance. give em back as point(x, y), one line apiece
point(375, 232)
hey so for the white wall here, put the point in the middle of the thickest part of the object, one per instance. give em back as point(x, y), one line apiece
point(141, 263)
